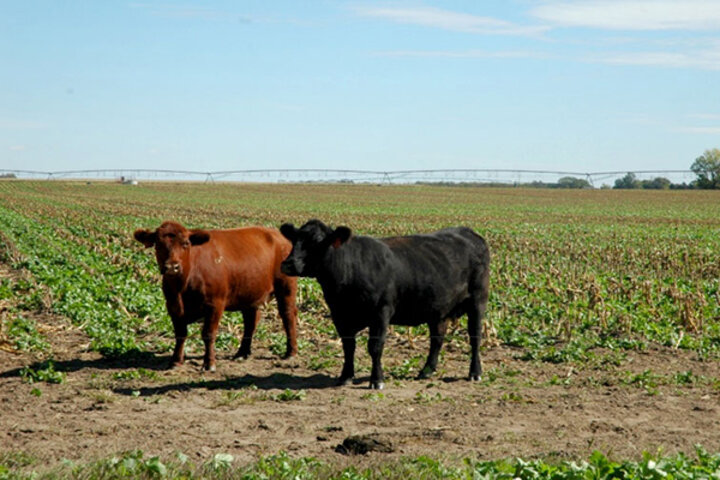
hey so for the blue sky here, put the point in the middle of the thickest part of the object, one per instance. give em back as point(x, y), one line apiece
point(222, 85)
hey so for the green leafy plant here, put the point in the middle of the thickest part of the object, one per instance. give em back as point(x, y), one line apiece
point(43, 372)
point(26, 336)
point(288, 395)
point(134, 464)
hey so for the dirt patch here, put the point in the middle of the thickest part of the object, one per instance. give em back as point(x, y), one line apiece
point(265, 405)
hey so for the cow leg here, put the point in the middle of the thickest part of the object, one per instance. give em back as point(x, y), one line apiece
point(476, 313)
point(437, 336)
point(347, 337)
point(285, 291)
point(209, 333)
point(348, 371)
point(181, 331)
point(474, 330)
point(376, 343)
point(251, 318)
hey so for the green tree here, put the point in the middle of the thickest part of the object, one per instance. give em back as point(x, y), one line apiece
point(628, 181)
point(573, 182)
point(707, 169)
point(657, 183)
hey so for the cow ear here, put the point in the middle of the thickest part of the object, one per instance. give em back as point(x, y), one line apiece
point(289, 231)
point(198, 237)
point(340, 235)
point(146, 237)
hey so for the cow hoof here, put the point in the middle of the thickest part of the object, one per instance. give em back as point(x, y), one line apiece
point(211, 368)
point(377, 385)
point(344, 381)
point(174, 365)
point(424, 374)
point(474, 378)
point(241, 355)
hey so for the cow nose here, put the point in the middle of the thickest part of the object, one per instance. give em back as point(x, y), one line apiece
point(172, 268)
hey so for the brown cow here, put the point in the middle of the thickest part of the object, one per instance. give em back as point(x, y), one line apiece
point(205, 272)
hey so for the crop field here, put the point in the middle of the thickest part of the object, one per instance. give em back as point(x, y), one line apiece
point(601, 348)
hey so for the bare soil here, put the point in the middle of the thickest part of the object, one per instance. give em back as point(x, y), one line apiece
point(247, 408)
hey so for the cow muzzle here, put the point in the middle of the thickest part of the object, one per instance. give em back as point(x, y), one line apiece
point(172, 268)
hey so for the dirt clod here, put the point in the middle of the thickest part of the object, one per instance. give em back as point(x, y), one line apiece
point(364, 444)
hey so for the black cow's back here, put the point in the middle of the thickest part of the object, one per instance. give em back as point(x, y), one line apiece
point(437, 274)
point(423, 277)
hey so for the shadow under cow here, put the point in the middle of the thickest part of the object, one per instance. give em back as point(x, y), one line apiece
point(282, 381)
point(130, 360)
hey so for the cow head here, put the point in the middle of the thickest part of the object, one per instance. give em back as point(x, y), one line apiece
point(311, 243)
point(172, 244)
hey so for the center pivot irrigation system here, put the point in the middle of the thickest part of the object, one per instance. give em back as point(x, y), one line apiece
point(314, 175)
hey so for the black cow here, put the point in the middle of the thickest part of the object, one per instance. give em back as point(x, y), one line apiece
point(370, 282)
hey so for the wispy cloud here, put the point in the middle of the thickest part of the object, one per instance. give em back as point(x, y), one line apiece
point(448, 20)
point(700, 130)
point(701, 124)
point(632, 14)
point(460, 54)
point(703, 60)
point(16, 148)
point(704, 116)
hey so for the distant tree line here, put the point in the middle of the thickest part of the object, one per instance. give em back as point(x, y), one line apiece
point(706, 167)
point(565, 182)
point(629, 181)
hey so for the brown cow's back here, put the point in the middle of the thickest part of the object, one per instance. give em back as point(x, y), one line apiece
point(239, 265)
